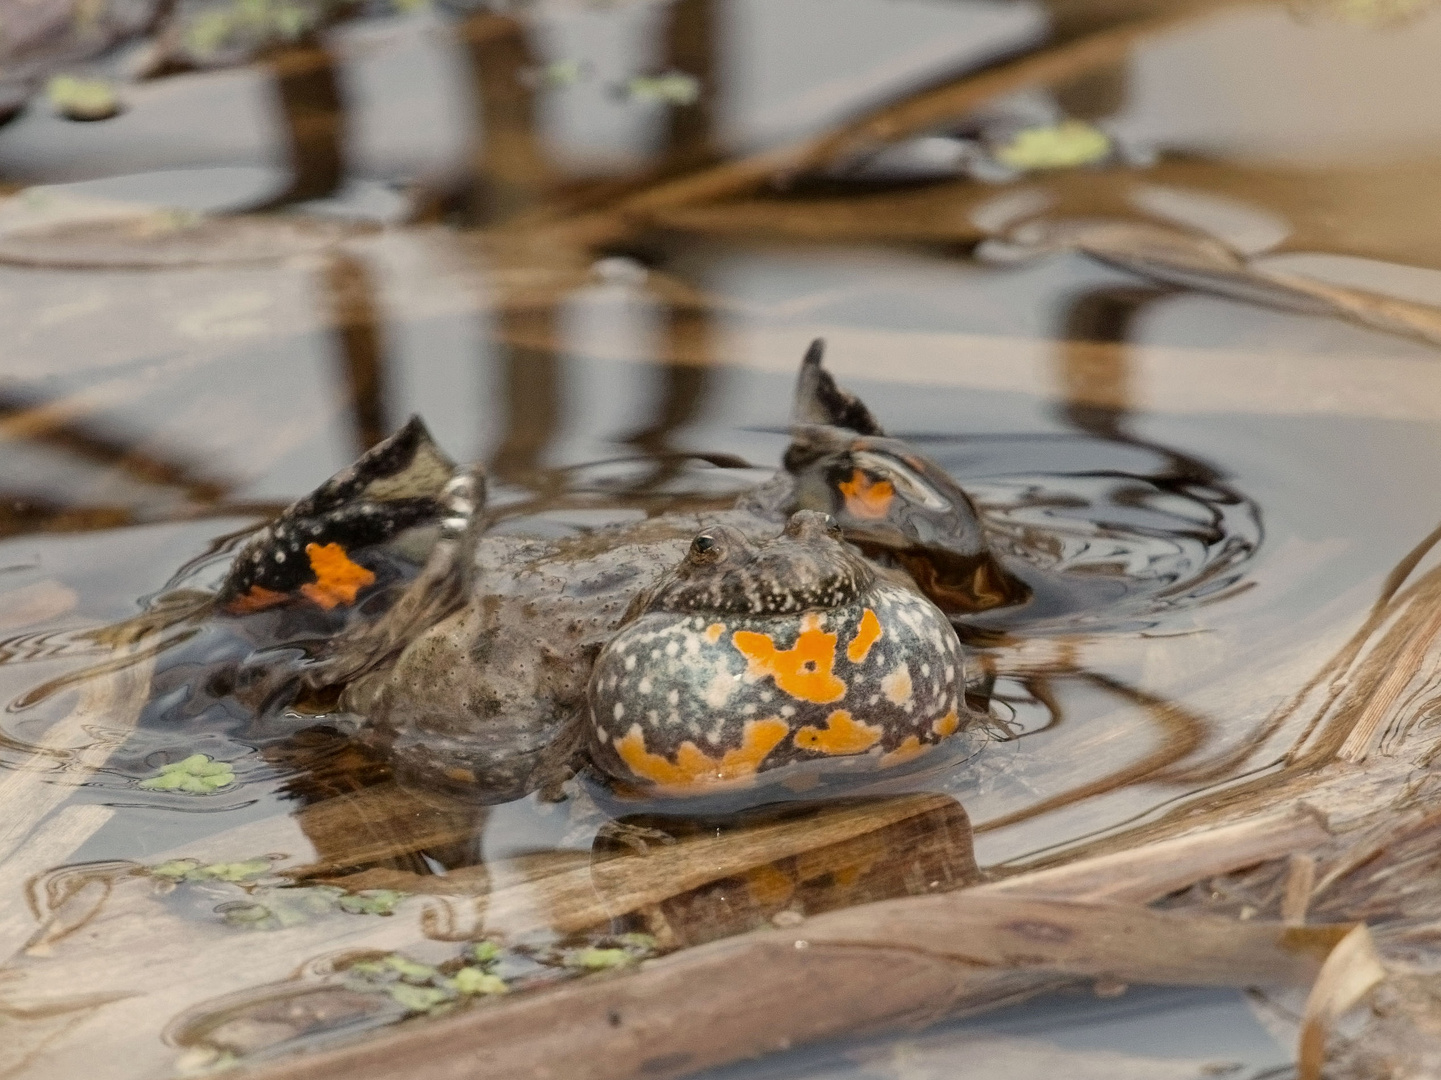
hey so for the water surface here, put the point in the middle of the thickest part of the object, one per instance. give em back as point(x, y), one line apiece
point(1203, 462)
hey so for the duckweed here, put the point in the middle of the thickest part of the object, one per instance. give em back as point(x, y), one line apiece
point(670, 88)
point(371, 902)
point(419, 998)
point(199, 774)
point(485, 952)
point(594, 959)
point(82, 99)
point(192, 870)
point(276, 909)
point(469, 980)
point(1066, 145)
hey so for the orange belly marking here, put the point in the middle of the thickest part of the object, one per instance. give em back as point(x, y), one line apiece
point(867, 634)
point(841, 735)
point(805, 671)
point(692, 766)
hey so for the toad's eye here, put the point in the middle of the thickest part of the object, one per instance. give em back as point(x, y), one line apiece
point(702, 544)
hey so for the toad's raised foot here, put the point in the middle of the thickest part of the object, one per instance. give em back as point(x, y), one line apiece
point(895, 505)
point(819, 400)
point(359, 532)
point(443, 584)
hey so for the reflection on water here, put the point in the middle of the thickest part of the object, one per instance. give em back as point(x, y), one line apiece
point(1192, 399)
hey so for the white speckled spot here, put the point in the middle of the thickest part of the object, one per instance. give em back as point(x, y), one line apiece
point(644, 685)
point(720, 689)
point(897, 685)
point(619, 710)
point(630, 662)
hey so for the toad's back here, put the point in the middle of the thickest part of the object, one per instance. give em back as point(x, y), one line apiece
point(483, 699)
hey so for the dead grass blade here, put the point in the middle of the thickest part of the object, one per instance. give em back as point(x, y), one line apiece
point(1351, 970)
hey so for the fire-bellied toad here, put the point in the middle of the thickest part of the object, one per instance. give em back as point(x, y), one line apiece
point(686, 651)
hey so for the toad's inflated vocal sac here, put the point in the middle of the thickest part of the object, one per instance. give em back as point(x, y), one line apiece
point(804, 630)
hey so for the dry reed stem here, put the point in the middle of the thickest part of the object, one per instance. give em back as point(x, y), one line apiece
point(915, 114)
point(895, 962)
point(1400, 672)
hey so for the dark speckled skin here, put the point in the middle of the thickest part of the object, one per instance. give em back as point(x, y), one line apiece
point(756, 660)
point(487, 698)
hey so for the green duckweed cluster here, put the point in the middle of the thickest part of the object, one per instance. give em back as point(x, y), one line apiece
point(194, 870)
point(278, 908)
point(221, 31)
point(627, 949)
point(269, 906)
point(199, 774)
point(82, 99)
point(251, 24)
point(670, 88)
point(481, 971)
point(1066, 145)
point(421, 988)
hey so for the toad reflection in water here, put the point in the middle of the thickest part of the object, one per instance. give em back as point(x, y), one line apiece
point(468, 653)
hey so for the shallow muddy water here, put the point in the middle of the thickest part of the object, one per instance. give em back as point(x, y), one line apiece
point(1191, 386)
